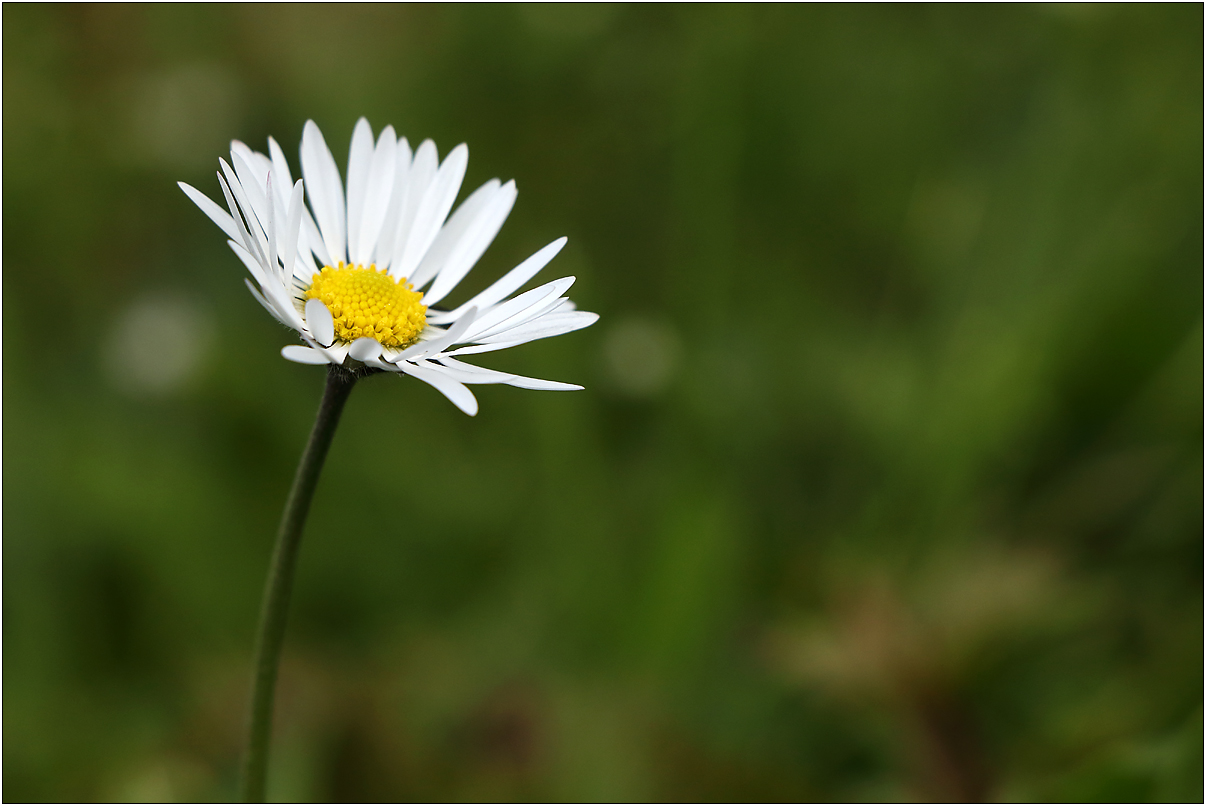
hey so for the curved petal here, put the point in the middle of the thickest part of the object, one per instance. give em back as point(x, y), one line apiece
point(553, 324)
point(360, 157)
point(521, 382)
point(210, 208)
point(303, 355)
point(451, 233)
point(419, 179)
point(253, 160)
point(253, 265)
point(433, 209)
point(383, 254)
point(268, 306)
point(455, 391)
point(320, 322)
point(447, 339)
point(250, 197)
point(292, 229)
point(509, 282)
point(324, 188)
point(468, 373)
point(314, 240)
point(382, 172)
point(470, 247)
point(279, 163)
point(515, 310)
point(540, 329)
point(240, 212)
point(365, 349)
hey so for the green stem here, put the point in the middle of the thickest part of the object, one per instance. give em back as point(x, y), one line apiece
point(275, 609)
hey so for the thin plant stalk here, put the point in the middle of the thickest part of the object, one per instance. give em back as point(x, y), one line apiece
point(275, 609)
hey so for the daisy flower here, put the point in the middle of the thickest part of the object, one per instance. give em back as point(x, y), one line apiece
point(361, 272)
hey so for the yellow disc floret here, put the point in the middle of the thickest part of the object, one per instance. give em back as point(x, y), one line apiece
point(368, 302)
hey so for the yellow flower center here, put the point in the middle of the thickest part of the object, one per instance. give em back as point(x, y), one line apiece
point(368, 302)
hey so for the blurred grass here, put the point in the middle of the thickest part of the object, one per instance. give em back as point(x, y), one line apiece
point(887, 482)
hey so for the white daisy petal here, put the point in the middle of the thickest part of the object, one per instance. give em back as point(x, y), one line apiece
point(360, 157)
point(336, 353)
point(422, 173)
point(292, 228)
point(553, 324)
point(365, 348)
point(433, 209)
point(283, 187)
point(450, 337)
point(531, 314)
point(473, 243)
point(236, 215)
point(256, 241)
point(377, 194)
point(383, 254)
point(303, 262)
point(270, 287)
point(253, 184)
point(268, 306)
point(252, 189)
point(303, 355)
point(273, 244)
point(510, 282)
point(532, 332)
point(216, 214)
point(279, 164)
point(320, 322)
point(450, 234)
point(259, 172)
point(262, 165)
point(547, 386)
point(324, 188)
point(472, 349)
point(513, 310)
point(314, 239)
point(254, 170)
point(253, 265)
point(454, 390)
point(468, 373)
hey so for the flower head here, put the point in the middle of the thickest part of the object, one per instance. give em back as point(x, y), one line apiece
point(360, 274)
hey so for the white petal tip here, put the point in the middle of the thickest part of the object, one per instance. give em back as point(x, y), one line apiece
point(319, 320)
point(537, 384)
point(303, 355)
point(365, 349)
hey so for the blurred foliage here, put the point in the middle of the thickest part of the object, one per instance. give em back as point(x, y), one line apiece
point(886, 484)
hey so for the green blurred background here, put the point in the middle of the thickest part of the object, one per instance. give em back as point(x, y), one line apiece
point(886, 483)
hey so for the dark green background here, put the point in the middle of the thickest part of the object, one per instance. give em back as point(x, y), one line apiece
point(886, 482)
